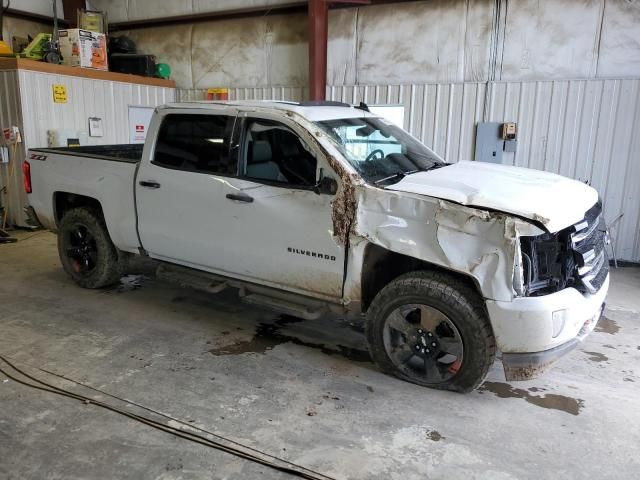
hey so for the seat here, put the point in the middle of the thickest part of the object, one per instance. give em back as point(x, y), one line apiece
point(260, 164)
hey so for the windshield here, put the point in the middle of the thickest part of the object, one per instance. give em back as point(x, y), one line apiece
point(380, 151)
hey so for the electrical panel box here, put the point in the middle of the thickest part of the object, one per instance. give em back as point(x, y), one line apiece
point(496, 142)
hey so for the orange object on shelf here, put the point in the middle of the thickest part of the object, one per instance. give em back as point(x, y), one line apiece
point(217, 94)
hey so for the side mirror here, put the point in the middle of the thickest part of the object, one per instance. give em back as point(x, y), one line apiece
point(326, 186)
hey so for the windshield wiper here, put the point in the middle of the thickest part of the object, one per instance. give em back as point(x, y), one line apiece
point(394, 176)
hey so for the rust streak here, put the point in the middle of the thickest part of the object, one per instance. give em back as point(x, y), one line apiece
point(344, 205)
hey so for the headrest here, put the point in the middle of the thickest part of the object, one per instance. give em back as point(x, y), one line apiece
point(261, 151)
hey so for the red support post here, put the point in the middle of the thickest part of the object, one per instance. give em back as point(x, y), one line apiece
point(318, 33)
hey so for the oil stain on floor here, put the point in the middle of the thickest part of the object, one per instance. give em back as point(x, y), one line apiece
point(549, 400)
point(597, 357)
point(607, 325)
point(269, 335)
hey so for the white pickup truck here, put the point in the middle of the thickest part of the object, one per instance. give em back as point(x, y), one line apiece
point(327, 209)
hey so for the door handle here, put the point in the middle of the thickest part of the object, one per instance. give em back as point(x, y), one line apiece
point(241, 198)
point(149, 184)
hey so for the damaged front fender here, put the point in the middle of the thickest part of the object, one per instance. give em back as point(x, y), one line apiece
point(475, 242)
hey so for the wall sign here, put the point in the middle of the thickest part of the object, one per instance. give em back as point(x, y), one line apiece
point(217, 94)
point(139, 119)
point(59, 94)
point(95, 127)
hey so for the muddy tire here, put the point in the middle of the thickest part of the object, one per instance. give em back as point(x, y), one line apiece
point(85, 248)
point(431, 329)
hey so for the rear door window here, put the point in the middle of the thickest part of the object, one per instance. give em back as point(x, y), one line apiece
point(196, 143)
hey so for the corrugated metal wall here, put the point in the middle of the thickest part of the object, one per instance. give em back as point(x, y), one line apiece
point(584, 129)
point(26, 101)
point(86, 98)
point(293, 94)
point(10, 114)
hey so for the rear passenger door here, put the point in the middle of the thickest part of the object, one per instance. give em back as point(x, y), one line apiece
point(180, 192)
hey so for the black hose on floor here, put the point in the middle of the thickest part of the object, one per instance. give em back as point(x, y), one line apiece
point(290, 468)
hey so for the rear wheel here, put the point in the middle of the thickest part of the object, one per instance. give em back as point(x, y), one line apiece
point(86, 251)
point(431, 329)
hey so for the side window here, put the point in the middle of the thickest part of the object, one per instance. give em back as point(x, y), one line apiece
point(198, 143)
point(273, 152)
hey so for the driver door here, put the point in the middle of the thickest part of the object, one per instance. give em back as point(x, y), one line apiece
point(281, 229)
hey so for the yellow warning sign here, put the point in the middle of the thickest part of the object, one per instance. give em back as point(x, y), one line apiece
point(59, 94)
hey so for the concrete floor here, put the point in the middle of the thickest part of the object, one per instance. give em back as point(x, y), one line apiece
point(302, 391)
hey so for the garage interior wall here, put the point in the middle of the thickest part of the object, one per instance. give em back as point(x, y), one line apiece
point(19, 27)
point(27, 103)
point(568, 72)
point(409, 42)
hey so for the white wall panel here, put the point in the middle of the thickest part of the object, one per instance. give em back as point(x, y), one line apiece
point(125, 10)
point(26, 102)
point(86, 98)
point(585, 129)
point(292, 94)
point(39, 7)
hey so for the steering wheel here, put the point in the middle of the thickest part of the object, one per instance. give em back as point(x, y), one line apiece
point(373, 154)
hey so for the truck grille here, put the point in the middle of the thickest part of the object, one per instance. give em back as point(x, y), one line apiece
point(588, 242)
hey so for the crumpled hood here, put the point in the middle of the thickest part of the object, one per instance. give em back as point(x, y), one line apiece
point(555, 201)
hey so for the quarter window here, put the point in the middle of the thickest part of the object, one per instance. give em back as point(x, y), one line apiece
point(198, 143)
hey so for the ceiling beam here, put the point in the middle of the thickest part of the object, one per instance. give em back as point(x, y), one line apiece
point(33, 17)
point(284, 9)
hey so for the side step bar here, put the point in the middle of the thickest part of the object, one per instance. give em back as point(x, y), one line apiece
point(277, 300)
point(283, 306)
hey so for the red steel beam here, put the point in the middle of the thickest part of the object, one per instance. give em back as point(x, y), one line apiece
point(318, 38)
point(318, 33)
point(70, 8)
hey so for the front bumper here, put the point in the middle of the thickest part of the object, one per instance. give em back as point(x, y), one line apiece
point(529, 337)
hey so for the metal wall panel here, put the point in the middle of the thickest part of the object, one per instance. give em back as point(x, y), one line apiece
point(26, 101)
point(292, 94)
point(585, 129)
point(10, 115)
point(86, 98)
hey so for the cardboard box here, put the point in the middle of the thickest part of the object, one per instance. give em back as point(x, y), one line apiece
point(82, 48)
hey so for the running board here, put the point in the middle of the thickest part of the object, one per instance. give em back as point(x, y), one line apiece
point(258, 295)
point(283, 306)
point(191, 278)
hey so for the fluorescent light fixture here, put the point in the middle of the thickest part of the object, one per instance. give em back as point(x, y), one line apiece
point(215, 140)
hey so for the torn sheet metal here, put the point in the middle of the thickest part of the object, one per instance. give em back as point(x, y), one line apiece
point(471, 241)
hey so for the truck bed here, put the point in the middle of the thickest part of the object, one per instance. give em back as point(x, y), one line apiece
point(103, 173)
point(130, 153)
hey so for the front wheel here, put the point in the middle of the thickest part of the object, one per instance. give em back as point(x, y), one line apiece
point(85, 248)
point(431, 329)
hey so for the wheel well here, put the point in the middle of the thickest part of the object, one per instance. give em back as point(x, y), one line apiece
point(382, 266)
point(64, 202)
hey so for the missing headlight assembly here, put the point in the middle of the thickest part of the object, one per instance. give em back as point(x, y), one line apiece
point(574, 257)
point(548, 263)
